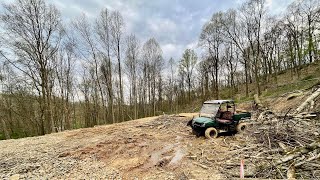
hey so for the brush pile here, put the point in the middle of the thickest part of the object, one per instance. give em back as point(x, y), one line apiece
point(280, 146)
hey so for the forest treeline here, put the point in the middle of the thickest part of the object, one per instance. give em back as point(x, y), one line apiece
point(57, 76)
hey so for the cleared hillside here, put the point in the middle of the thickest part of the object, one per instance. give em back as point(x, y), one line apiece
point(164, 148)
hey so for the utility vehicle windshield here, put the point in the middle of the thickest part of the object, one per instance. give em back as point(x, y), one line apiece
point(209, 110)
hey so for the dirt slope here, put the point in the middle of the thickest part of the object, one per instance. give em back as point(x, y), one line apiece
point(150, 148)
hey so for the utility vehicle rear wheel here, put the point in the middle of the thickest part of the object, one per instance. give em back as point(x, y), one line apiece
point(211, 133)
point(241, 127)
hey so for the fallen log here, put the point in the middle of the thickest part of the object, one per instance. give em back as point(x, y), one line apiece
point(272, 151)
point(294, 95)
point(300, 115)
point(299, 152)
point(308, 101)
point(257, 102)
point(308, 160)
point(201, 165)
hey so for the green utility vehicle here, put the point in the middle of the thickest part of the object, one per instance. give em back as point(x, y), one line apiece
point(218, 116)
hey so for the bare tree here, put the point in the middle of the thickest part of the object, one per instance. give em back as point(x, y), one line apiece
point(152, 65)
point(230, 60)
point(18, 106)
point(131, 63)
point(64, 73)
point(186, 68)
point(204, 73)
point(212, 38)
point(171, 84)
point(234, 31)
point(309, 9)
point(33, 34)
point(87, 87)
point(5, 103)
point(116, 29)
point(88, 49)
point(103, 26)
point(294, 33)
point(253, 13)
point(270, 49)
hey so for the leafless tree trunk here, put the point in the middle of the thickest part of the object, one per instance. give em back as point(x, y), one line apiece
point(186, 68)
point(89, 51)
point(132, 53)
point(64, 71)
point(212, 39)
point(152, 66)
point(253, 12)
point(117, 25)
point(103, 30)
point(33, 33)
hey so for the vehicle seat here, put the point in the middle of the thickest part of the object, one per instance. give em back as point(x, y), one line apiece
point(224, 121)
point(227, 115)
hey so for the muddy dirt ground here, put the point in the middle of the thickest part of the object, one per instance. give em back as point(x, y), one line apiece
point(150, 148)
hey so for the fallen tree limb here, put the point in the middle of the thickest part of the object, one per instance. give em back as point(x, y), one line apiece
point(294, 95)
point(278, 150)
point(257, 101)
point(308, 101)
point(308, 160)
point(243, 149)
point(301, 115)
point(201, 165)
point(299, 152)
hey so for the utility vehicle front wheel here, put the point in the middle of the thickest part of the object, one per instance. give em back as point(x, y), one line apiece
point(194, 132)
point(241, 127)
point(211, 133)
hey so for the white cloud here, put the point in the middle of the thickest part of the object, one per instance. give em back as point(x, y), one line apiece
point(176, 50)
point(80, 10)
point(192, 45)
point(176, 24)
point(268, 3)
point(171, 50)
point(60, 5)
point(160, 25)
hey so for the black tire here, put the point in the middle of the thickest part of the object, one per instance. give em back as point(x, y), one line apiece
point(194, 132)
point(211, 133)
point(241, 127)
point(189, 123)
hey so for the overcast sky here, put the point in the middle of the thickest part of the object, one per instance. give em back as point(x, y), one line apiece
point(176, 24)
